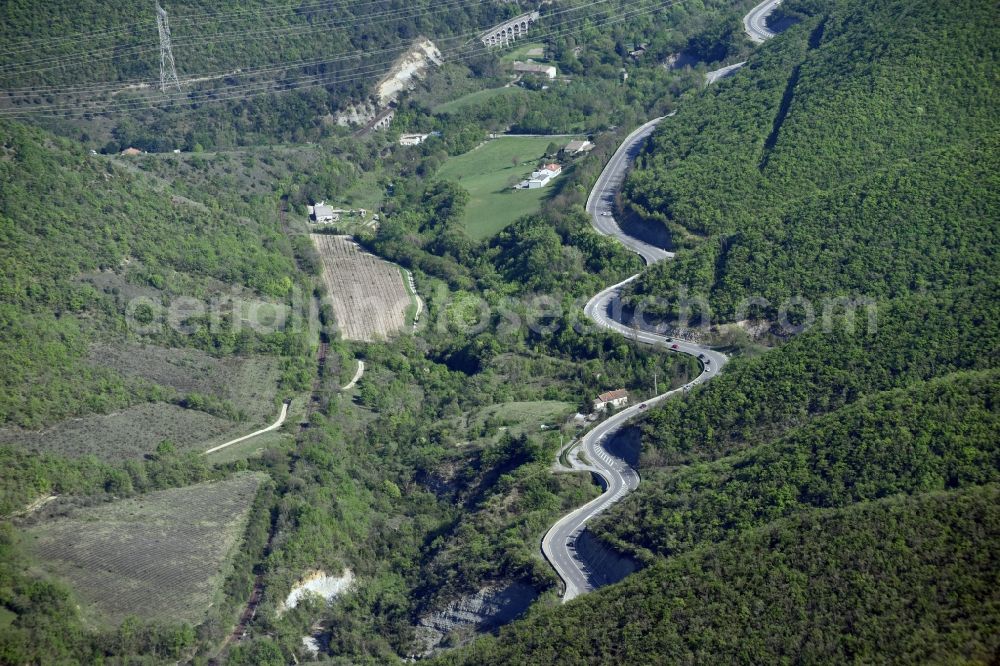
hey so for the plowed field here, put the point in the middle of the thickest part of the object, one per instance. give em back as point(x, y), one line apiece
point(368, 295)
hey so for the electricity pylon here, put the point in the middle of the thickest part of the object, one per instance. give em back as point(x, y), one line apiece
point(168, 71)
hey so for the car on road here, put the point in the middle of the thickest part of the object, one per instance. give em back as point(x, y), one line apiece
point(606, 213)
point(674, 346)
point(643, 406)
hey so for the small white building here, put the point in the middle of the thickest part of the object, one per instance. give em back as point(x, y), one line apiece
point(617, 398)
point(535, 68)
point(542, 177)
point(412, 139)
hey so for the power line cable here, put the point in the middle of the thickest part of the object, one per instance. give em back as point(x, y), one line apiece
point(254, 89)
point(143, 82)
point(58, 61)
point(302, 83)
point(32, 43)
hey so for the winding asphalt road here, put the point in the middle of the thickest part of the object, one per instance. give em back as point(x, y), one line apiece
point(755, 22)
point(589, 454)
point(601, 200)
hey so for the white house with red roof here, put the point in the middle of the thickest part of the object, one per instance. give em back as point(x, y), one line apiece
point(542, 177)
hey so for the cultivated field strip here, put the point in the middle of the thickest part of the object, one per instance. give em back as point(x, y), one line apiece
point(368, 295)
point(157, 556)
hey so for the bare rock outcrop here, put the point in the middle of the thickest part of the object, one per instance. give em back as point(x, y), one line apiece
point(463, 618)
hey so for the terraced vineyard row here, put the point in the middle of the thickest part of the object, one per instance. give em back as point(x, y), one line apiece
point(368, 295)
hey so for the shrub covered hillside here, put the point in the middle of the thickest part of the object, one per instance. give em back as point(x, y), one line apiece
point(835, 498)
point(92, 256)
point(856, 154)
point(82, 237)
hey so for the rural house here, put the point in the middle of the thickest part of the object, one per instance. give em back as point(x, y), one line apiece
point(617, 398)
point(541, 177)
point(535, 68)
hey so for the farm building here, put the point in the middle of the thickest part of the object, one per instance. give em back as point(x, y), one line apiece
point(535, 68)
point(323, 214)
point(578, 146)
point(412, 139)
point(617, 398)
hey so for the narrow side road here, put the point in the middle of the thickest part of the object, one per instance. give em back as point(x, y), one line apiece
point(273, 426)
point(358, 374)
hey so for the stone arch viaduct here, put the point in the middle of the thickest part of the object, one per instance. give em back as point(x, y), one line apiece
point(508, 31)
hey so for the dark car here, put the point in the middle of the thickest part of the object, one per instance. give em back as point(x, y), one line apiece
point(673, 346)
point(643, 406)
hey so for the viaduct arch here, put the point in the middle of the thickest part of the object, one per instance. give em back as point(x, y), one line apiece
point(509, 31)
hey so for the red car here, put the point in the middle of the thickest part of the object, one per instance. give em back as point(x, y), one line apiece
point(673, 346)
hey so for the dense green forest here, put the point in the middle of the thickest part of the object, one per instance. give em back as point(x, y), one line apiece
point(820, 371)
point(902, 579)
point(856, 155)
point(935, 435)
